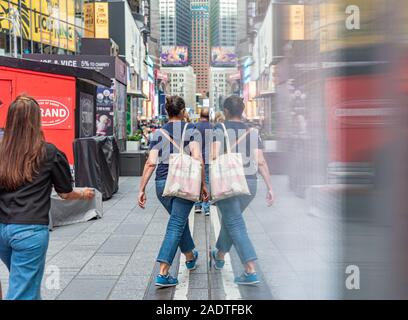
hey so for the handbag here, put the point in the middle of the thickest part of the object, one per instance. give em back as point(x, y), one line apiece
point(227, 174)
point(184, 176)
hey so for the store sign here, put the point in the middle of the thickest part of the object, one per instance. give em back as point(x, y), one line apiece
point(101, 20)
point(51, 22)
point(162, 75)
point(111, 67)
point(86, 107)
point(54, 114)
point(96, 20)
point(296, 22)
point(89, 20)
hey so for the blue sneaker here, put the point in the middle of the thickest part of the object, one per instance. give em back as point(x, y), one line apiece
point(247, 279)
point(166, 281)
point(192, 265)
point(218, 264)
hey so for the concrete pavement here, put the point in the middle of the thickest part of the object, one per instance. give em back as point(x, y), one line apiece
point(114, 258)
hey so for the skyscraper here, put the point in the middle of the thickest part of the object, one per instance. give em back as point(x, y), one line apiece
point(224, 23)
point(200, 47)
point(175, 23)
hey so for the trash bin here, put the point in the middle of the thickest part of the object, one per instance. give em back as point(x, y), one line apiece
point(97, 165)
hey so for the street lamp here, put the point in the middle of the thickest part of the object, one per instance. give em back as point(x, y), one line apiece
point(12, 19)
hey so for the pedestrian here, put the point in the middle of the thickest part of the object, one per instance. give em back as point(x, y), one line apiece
point(219, 117)
point(206, 130)
point(29, 168)
point(233, 229)
point(166, 142)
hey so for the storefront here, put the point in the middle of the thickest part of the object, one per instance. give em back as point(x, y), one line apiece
point(111, 100)
point(67, 97)
point(41, 26)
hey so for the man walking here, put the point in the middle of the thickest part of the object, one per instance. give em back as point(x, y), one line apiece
point(206, 130)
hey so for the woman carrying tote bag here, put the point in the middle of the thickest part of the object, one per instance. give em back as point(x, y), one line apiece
point(234, 143)
point(178, 186)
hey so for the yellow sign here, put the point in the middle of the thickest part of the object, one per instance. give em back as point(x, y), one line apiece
point(51, 22)
point(101, 20)
point(96, 18)
point(89, 20)
point(296, 22)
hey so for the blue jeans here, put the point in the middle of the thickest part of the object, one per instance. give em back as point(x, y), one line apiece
point(205, 205)
point(23, 249)
point(233, 229)
point(178, 231)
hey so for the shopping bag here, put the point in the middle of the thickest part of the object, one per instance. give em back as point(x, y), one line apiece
point(184, 177)
point(227, 174)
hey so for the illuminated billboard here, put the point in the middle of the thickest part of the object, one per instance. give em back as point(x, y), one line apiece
point(51, 22)
point(224, 57)
point(174, 56)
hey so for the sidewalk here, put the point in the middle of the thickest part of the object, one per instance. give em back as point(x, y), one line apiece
point(114, 258)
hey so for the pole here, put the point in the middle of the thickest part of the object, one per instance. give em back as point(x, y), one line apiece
point(12, 21)
point(15, 38)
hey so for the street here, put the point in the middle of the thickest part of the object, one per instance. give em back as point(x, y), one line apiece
point(114, 257)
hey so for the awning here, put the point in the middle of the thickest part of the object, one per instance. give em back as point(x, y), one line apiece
point(87, 75)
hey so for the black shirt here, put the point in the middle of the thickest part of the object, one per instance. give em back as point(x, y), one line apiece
point(30, 203)
point(247, 147)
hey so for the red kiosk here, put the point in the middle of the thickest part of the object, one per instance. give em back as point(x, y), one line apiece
point(66, 95)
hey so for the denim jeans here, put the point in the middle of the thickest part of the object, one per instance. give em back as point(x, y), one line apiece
point(23, 249)
point(178, 231)
point(205, 205)
point(233, 229)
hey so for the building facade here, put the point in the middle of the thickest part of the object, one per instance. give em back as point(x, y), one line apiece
point(220, 86)
point(43, 26)
point(175, 23)
point(224, 23)
point(200, 47)
point(182, 82)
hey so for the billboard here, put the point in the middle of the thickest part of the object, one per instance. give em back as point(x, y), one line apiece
point(174, 56)
point(224, 57)
point(51, 22)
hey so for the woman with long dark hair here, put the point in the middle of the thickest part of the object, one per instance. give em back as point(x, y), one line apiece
point(167, 141)
point(29, 169)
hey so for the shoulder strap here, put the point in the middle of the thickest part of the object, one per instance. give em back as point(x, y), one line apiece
point(248, 131)
point(165, 134)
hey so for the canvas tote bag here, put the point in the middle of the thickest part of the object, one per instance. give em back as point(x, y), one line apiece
point(184, 177)
point(227, 174)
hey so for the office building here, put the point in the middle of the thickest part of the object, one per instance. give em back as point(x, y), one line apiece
point(200, 47)
point(182, 82)
point(224, 23)
point(175, 23)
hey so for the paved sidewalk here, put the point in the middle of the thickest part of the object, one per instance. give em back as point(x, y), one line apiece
point(114, 258)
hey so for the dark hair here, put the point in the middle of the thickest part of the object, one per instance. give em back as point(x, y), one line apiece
point(175, 106)
point(235, 106)
point(22, 148)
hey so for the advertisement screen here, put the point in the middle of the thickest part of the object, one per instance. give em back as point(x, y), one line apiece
point(224, 57)
point(104, 111)
point(174, 56)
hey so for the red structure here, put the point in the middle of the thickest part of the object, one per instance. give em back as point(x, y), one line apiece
point(57, 90)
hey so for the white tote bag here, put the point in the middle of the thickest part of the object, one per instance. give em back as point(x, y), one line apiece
point(227, 174)
point(184, 177)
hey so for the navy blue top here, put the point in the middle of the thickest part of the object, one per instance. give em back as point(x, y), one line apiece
point(206, 130)
point(246, 147)
point(165, 148)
